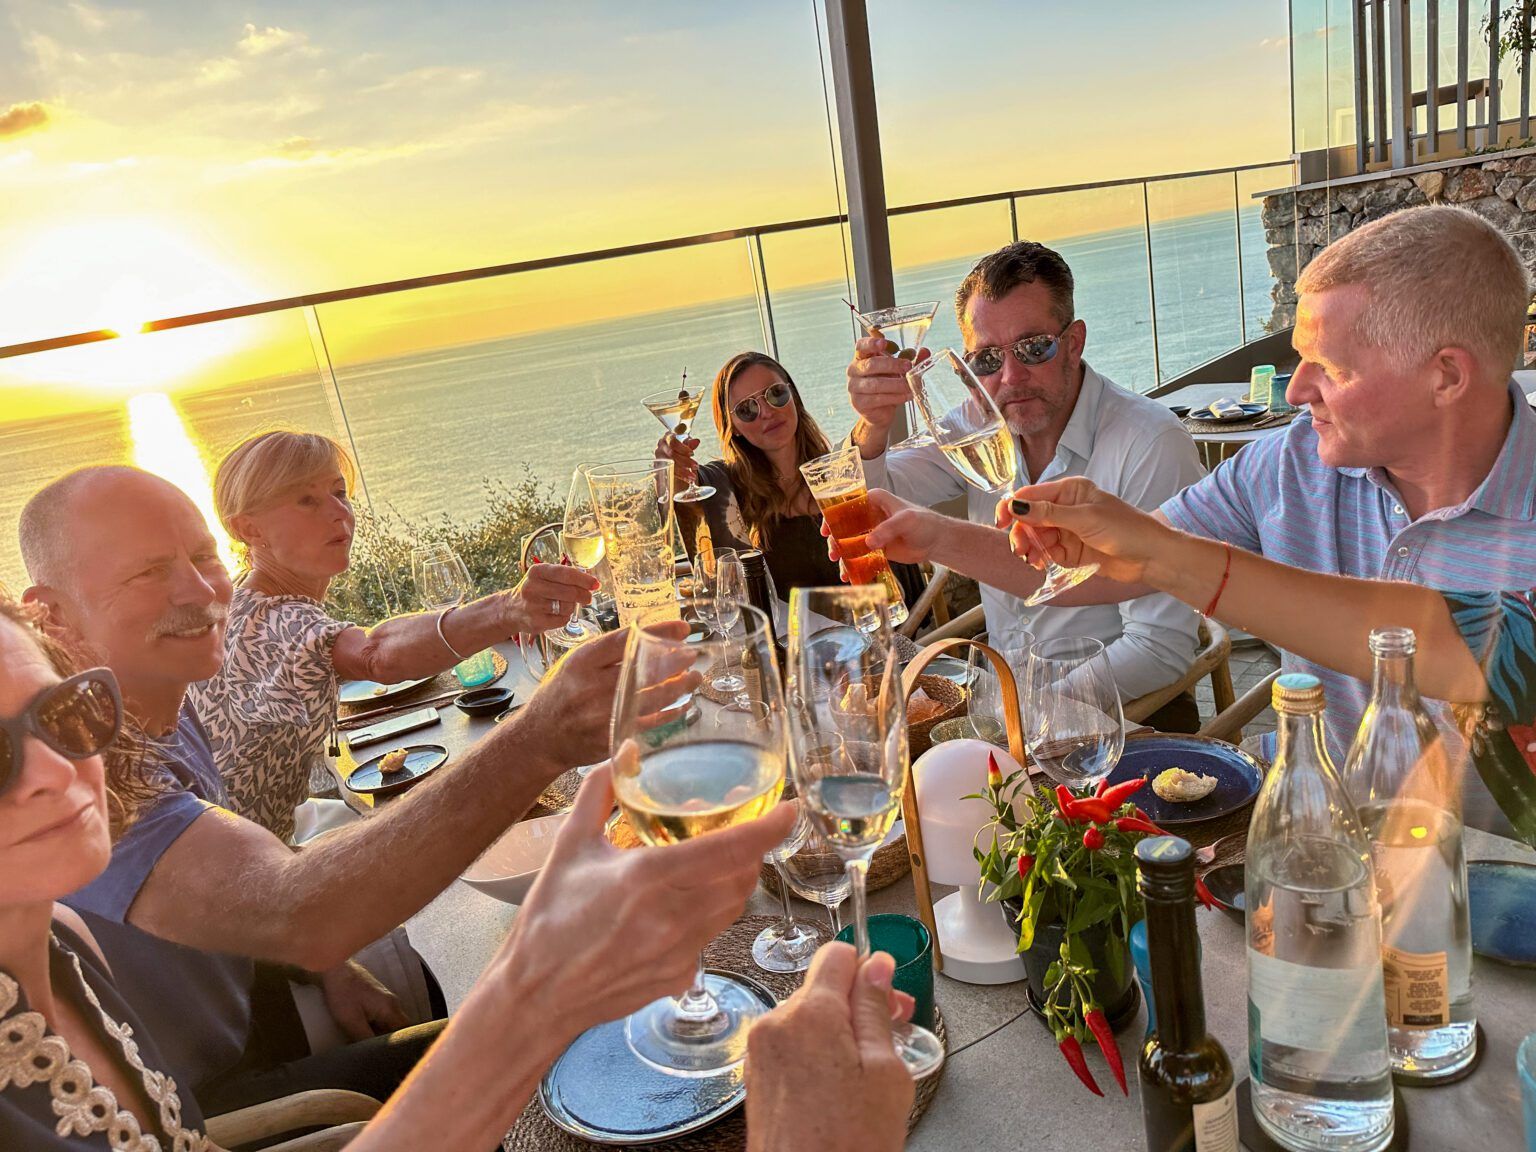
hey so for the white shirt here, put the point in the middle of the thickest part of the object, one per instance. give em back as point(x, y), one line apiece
point(1129, 446)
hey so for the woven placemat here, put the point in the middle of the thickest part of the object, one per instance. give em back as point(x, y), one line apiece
point(889, 864)
point(559, 795)
point(441, 683)
point(731, 951)
point(1264, 420)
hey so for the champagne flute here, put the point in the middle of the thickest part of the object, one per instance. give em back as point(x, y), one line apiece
point(582, 543)
point(674, 781)
point(1074, 727)
point(971, 432)
point(730, 596)
point(442, 579)
point(851, 785)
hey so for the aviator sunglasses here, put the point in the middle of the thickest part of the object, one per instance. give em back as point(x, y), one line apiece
point(77, 718)
point(777, 394)
point(1029, 350)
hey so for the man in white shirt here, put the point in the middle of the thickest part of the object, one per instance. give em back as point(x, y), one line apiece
point(1024, 342)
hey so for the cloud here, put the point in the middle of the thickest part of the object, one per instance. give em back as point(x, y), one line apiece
point(256, 41)
point(299, 146)
point(429, 77)
point(95, 19)
point(19, 118)
point(218, 71)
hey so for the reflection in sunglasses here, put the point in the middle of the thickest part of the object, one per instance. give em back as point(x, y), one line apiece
point(777, 394)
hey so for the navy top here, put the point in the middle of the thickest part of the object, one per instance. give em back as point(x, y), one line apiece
point(162, 979)
point(50, 1100)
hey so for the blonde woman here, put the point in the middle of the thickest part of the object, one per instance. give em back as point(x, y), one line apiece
point(285, 499)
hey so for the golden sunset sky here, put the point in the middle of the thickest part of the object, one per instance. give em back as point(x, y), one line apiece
point(163, 158)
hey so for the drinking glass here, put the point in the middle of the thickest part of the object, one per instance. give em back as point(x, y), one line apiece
point(1073, 725)
point(582, 543)
point(849, 745)
point(1525, 1062)
point(984, 697)
point(442, 580)
point(906, 326)
point(816, 873)
point(978, 443)
point(632, 499)
point(729, 596)
point(674, 781)
point(836, 480)
point(788, 945)
point(676, 409)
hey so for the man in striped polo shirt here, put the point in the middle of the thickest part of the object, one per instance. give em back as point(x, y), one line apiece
point(1415, 458)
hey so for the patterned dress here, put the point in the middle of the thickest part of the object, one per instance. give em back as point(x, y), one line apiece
point(50, 1100)
point(268, 710)
point(1500, 628)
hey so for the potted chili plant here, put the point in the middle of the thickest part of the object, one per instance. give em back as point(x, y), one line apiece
point(1064, 868)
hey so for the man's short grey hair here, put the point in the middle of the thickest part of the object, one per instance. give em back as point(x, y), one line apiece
point(47, 548)
point(1436, 277)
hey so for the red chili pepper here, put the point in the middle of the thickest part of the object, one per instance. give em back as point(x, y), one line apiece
point(1093, 839)
point(1141, 814)
point(994, 773)
point(1132, 824)
point(1100, 1029)
point(1073, 1051)
point(1026, 862)
point(1103, 784)
point(1203, 894)
point(1094, 809)
point(1065, 801)
point(1120, 793)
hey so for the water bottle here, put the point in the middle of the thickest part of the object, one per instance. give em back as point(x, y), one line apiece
point(1398, 775)
point(1317, 1027)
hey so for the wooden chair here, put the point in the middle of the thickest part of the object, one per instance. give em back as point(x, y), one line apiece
point(1210, 660)
point(933, 602)
point(343, 1114)
point(1228, 722)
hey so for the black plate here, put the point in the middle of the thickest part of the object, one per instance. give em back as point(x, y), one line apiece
point(420, 760)
point(484, 701)
point(1238, 775)
point(1249, 412)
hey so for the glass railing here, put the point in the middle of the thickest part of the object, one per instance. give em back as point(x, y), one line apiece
point(450, 388)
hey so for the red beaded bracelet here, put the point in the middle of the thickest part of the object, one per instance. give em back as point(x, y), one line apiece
point(1210, 609)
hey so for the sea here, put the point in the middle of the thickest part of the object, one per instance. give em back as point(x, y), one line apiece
point(430, 429)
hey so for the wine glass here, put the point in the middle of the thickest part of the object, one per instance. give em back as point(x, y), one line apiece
point(581, 542)
point(974, 437)
point(788, 944)
point(816, 873)
point(1074, 727)
point(849, 745)
point(442, 580)
point(984, 700)
point(676, 409)
point(674, 781)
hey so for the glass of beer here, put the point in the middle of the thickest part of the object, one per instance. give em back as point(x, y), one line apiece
point(837, 482)
point(633, 502)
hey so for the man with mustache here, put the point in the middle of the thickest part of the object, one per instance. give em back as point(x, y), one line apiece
point(130, 577)
point(1025, 343)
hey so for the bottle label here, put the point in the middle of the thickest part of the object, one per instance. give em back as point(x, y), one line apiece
point(1215, 1124)
point(1316, 1009)
point(1418, 987)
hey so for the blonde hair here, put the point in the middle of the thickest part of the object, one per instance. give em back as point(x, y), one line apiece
point(1436, 277)
point(264, 468)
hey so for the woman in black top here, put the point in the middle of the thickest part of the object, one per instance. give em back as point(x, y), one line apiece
point(761, 500)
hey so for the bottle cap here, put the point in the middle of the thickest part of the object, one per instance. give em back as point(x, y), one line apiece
point(1298, 694)
point(1165, 867)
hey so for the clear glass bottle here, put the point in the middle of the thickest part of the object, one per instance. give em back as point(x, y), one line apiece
point(1398, 775)
point(1317, 1028)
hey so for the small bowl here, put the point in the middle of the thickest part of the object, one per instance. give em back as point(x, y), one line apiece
point(510, 712)
point(483, 701)
point(1225, 884)
point(508, 868)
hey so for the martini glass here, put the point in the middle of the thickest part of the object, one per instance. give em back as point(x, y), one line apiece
point(906, 326)
point(676, 411)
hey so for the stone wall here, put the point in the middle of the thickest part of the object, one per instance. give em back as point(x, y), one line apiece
point(1297, 225)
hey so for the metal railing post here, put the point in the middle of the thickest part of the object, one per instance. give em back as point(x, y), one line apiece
point(333, 398)
point(760, 285)
point(1432, 74)
point(1401, 78)
point(1013, 217)
point(1362, 102)
point(1491, 131)
point(1237, 231)
point(1146, 221)
point(1461, 73)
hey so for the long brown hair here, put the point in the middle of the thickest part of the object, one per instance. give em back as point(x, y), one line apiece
point(758, 494)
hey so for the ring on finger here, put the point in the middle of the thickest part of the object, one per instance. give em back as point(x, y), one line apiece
point(554, 607)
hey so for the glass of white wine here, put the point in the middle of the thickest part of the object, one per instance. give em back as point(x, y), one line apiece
point(1073, 724)
point(974, 437)
point(581, 542)
point(674, 781)
point(849, 746)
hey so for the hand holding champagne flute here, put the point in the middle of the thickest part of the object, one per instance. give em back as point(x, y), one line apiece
point(849, 744)
point(675, 781)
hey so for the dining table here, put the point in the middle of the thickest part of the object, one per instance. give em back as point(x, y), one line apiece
point(1004, 1085)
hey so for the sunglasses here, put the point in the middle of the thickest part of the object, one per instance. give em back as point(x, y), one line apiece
point(1029, 350)
point(77, 718)
point(777, 394)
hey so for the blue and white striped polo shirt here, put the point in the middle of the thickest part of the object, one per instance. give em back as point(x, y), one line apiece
point(1276, 497)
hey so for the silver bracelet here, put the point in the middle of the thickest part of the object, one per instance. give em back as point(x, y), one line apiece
point(440, 618)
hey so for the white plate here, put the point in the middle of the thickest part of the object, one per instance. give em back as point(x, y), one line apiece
point(367, 691)
point(508, 868)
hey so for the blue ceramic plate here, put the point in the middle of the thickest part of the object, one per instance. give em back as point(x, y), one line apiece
point(420, 759)
point(602, 1092)
point(1503, 899)
point(1238, 775)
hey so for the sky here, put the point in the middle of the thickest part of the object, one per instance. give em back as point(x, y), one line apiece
point(160, 158)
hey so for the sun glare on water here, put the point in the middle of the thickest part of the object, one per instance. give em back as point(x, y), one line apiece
point(162, 445)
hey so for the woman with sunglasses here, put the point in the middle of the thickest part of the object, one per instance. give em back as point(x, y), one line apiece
point(79, 1071)
point(761, 500)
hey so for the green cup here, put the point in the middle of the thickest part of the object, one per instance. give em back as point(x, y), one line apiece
point(477, 670)
point(909, 944)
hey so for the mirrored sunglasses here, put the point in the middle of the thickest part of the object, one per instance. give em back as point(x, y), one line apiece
point(77, 718)
point(1030, 351)
point(777, 394)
